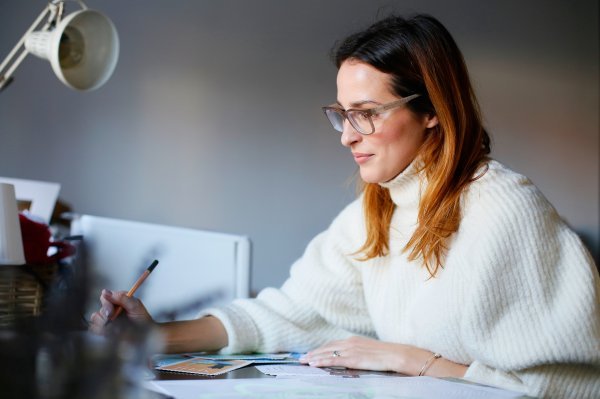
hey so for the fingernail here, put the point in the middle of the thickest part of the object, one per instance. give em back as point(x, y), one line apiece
point(106, 312)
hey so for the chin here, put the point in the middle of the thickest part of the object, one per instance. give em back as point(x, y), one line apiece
point(370, 178)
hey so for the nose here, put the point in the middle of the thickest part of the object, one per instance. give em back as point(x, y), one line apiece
point(349, 135)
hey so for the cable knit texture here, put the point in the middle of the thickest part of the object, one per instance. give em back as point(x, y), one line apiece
point(517, 298)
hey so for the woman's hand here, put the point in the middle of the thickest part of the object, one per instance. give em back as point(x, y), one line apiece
point(358, 353)
point(132, 307)
point(370, 354)
point(203, 334)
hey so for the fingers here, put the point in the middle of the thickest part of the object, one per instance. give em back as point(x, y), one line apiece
point(99, 318)
point(129, 304)
point(354, 352)
point(134, 308)
point(348, 361)
point(107, 302)
point(361, 353)
point(111, 302)
point(98, 321)
point(335, 353)
point(328, 349)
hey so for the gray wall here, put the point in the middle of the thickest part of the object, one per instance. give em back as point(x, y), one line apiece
point(212, 120)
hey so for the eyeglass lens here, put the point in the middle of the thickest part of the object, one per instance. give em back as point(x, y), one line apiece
point(336, 118)
point(359, 120)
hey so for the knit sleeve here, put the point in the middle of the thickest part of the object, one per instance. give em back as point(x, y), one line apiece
point(533, 321)
point(322, 300)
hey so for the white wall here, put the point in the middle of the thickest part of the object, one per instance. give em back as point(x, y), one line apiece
point(212, 118)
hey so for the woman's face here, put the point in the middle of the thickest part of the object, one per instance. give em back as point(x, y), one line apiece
point(399, 132)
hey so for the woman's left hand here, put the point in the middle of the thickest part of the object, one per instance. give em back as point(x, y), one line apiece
point(370, 354)
point(365, 354)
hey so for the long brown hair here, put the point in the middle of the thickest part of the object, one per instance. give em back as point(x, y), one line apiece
point(422, 57)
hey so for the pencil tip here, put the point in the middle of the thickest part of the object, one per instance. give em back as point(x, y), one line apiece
point(153, 265)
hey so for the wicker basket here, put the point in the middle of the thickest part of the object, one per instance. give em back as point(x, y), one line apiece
point(22, 291)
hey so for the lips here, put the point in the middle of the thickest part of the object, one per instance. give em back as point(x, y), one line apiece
point(361, 158)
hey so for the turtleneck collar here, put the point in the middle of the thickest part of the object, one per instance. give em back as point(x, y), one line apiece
point(405, 189)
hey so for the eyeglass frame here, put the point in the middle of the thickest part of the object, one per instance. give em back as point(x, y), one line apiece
point(369, 113)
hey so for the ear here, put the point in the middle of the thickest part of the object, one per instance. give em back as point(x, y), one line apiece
point(431, 121)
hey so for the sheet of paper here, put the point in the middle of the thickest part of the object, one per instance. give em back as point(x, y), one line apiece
point(251, 356)
point(204, 366)
point(280, 370)
point(327, 388)
point(256, 358)
point(287, 371)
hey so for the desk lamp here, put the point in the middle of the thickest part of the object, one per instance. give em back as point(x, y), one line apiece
point(11, 243)
point(82, 48)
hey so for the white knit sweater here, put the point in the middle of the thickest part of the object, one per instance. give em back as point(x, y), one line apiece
point(518, 298)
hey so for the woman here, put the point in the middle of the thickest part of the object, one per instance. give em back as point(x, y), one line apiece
point(448, 264)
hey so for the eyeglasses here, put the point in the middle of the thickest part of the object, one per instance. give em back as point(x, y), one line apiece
point(360, 119)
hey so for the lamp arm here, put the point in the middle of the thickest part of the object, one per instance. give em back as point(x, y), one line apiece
point(54, 11)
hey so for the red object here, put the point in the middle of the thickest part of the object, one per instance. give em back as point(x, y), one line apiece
point(36, 242)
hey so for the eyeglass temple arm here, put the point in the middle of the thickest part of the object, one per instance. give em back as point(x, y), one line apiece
point(393, 104)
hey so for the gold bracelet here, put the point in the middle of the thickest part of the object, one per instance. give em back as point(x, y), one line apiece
point(428, 363)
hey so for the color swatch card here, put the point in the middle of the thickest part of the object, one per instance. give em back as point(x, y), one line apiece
point(256, 358)
point(204, 366)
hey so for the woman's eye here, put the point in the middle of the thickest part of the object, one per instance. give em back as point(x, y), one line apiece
point(375, 116)
point(363, 116)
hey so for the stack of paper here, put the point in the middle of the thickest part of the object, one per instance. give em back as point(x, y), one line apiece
point(327, 388)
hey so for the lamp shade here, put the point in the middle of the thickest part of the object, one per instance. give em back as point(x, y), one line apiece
point(83, 49)
point(11, 242)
